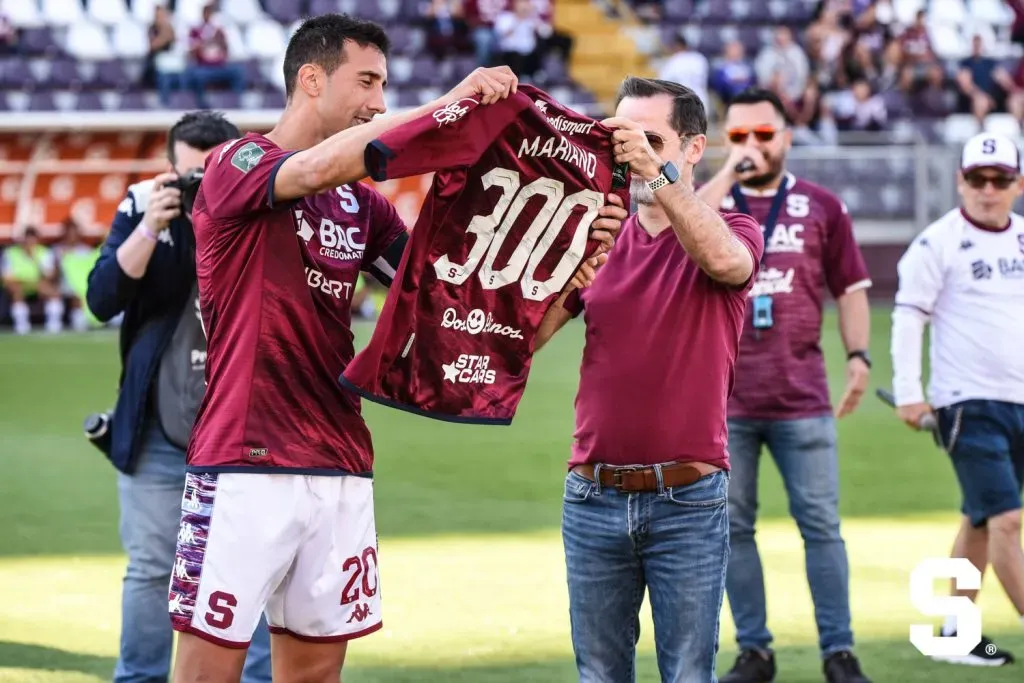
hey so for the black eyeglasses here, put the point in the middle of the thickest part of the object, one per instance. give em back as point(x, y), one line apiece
point(978, 181)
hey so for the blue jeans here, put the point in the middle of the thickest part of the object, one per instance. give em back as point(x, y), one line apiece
point(675, 544)
point(150, 511)
point(804, 450)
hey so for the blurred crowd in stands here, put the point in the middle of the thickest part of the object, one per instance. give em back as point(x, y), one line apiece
point(856, 66)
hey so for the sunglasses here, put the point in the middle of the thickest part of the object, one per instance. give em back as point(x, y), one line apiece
point(1000, 182)
point(738, 136)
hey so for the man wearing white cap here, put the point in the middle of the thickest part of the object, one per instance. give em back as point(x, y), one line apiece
point(964, 275)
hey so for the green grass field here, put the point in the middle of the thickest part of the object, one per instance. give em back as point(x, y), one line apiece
point(472, 572)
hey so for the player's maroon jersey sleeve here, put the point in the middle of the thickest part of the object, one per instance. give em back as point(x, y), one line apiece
point(452, 136)
point(845, 270)
point(239, 177)
point(386, 226)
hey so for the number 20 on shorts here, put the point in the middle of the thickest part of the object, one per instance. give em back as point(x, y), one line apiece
point(490, 232)
point(968, 616)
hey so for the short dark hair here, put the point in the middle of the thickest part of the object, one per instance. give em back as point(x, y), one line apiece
point(688, 114)
point(202, 130)
point(757, 96)
point(321, 40)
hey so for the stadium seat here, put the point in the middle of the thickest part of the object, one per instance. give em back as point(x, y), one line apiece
point(241, 12)
point(90, 101)
point(111, 73)
point(265, 39)
point(64, 74)
point(678, 10)
point(237, 47)
point(130, 39)
point(947, 41)
point(14, 74)
point(993, 12)
point(190, 12)
point(317, 7)
point(39, 41)
point(86, 40)
point(284, 11)
point(1003, 124)
point(22, 13)
point(906, 10)
point(143, 10)
point(106, 12)
point(62, 12)
point(949, 12)
point(960, 128)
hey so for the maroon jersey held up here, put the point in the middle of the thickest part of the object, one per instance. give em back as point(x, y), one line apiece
point(504, 228)
point(275, 289)
point(780, 373)
point(662, 339)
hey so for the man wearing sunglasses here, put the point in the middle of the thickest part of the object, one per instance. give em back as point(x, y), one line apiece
point(964, 276)
point(781, 398)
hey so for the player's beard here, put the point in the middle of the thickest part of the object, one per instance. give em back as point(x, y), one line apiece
point(774, 171)
point(639, 192)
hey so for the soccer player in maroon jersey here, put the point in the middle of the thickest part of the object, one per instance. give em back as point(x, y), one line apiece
point(283, 230)
point(781, 397)
point(645, 497)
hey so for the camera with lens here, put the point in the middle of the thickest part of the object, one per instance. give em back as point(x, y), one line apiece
point(98, 429)
point(188, 185)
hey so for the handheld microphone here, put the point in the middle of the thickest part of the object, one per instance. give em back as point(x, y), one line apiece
point(745, 166)
point(927, 423)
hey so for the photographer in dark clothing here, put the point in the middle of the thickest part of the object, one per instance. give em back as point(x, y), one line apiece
point(147, 271)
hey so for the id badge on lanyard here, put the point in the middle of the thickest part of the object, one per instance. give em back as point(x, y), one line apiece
point(762, 310)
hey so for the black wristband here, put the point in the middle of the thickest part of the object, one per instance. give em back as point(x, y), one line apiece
point(863, 355)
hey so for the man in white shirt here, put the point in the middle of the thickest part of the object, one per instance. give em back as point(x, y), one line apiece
point(965, 276)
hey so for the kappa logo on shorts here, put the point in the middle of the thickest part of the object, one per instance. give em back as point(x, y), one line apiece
point(259, 452)
point(247, 156)
point(360, 613)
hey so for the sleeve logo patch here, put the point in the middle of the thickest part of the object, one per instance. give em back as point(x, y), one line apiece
point(247, 156)
point(453, 111)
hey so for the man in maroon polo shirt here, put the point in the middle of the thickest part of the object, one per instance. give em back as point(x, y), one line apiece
point(645, 496)
point(781, 398)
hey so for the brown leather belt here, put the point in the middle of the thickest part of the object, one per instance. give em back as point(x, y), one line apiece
point(635, 479)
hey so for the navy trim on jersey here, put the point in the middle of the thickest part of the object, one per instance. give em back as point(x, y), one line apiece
point(377, 164)
point(273, 177)
point(501, 421)
point(259, 469)
point(393, 256)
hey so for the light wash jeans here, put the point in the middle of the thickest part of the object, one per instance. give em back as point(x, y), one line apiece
point(675, 544)
point(150, 511)
point(805, 452)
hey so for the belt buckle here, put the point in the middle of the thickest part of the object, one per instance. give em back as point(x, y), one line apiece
point(618, 472)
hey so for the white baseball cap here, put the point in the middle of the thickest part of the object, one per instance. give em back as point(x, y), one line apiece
point(989, 150)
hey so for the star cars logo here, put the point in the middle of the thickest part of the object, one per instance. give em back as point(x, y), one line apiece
point(452, 112)
point(477, 322)
point(469, 369)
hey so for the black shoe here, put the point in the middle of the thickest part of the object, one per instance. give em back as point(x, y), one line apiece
point(986, 653)
point(843, 667)
point(752, 666)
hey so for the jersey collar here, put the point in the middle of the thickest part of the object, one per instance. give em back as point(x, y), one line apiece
point(986, 228)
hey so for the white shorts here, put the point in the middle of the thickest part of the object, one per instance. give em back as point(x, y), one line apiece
point(301, 548)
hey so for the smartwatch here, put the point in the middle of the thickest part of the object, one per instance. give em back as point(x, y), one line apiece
point(863, 355)
point(669, 174)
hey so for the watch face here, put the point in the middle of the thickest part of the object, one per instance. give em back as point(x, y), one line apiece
point(670, 171)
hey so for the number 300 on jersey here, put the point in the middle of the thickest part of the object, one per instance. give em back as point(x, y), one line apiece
point(491, 231)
